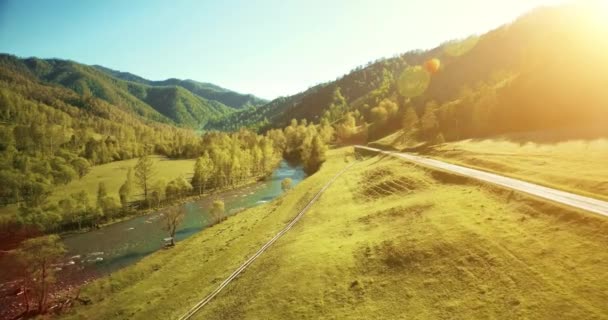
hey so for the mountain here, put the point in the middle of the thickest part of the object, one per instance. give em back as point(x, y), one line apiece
point(518, 77)
point(204, 90)
point(180, 102)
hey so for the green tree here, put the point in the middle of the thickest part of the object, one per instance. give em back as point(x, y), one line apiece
point(410, 121)
point(171, 219)
point(177, 188)
point(81, 166)
point(144, 171)
point(126, 190)
point(102, 192)
point(286, 184)
point(158, 192)
point(379, 115)
point(316, 157)
point(203, 169)
point(37, 256)
point(82, 209)
point(217, 211)
point(429, 126)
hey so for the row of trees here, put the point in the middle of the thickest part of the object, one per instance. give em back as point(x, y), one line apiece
point(226, 161)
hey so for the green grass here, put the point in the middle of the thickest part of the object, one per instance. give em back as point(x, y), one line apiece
point(578, 166)
point(551, 158)
point(387, 240)
point(114, 174)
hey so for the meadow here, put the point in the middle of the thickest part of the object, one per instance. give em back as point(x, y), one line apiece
point(572, 159)
point(386, 240)
point(577, 166)
point(113, 175)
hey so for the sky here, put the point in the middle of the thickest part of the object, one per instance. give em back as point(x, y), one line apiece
point(269, 48)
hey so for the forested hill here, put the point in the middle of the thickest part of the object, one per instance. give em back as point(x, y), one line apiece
point(204, 90)
point(518, 77)
point(182, 103)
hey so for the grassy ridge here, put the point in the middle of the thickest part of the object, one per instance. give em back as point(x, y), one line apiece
point(386, 240)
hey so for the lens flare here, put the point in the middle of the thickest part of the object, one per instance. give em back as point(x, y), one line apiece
point(432, 65)
point(413, 81)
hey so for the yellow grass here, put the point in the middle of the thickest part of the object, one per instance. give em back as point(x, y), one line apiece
point(579, 166)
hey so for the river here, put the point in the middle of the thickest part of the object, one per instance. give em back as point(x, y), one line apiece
point(118, 245)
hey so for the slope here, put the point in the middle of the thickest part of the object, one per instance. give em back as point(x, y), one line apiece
point(386, 240)
point(515, 78)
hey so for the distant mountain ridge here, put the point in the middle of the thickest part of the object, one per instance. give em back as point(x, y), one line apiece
point(204, 90)
point(184, 103)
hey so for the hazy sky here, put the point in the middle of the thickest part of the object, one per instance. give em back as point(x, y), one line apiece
point(268, 48)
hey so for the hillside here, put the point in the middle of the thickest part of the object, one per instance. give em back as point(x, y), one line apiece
point(503, 81)
point(166, 102)
point(387, 238)
point(204, 90)
point(59, 118)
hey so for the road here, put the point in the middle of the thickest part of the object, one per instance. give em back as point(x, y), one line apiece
point(249, 261)
point(558, 196)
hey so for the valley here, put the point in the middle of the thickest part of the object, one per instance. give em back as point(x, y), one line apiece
point(465, 180)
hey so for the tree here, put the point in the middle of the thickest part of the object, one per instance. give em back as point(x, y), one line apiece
point(36, 256)
point(158, 193)
point(429, 125)
point(144, 171)
point(286, 184)
point(217, 211)
point(390, 107)
point(177, 188)
point(203, 168)
point(410, 120)
point(379, 115)
point(81, 207)
point(316, 157)
point(81, 166)
point(171, 219)
point(109, 207)
point(102, 192)
point(346, 129)
point(126, 190)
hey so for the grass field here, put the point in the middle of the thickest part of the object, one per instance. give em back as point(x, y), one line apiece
point(113, 174)
point(578, 166)
point(550, 158)
point(387, 240)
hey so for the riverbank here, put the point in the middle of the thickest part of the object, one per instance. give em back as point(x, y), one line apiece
point(204, 260)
